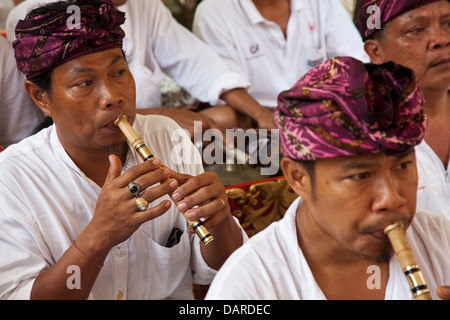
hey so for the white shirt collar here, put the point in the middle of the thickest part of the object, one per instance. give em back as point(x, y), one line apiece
point(255, 16)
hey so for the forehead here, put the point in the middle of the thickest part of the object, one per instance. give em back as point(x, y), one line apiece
point(93, 62)
point(434, 11)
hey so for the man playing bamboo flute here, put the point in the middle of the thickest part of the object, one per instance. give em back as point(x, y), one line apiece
point(347, 131)
point(70, 227)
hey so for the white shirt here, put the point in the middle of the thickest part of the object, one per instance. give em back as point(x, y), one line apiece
point(155, 43)
point(257, 49)
point(46, 201)
point(271, 265)
point(5, 8)
point(18, 113)
point(433, 192)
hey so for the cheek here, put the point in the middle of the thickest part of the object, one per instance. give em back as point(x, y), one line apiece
point(411, 55)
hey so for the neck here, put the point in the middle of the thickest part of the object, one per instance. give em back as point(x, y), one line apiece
point(277, 11)
point(95, 164)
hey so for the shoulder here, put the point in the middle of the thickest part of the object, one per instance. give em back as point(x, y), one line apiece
point(430, 233)
point(431, 225)
point(208, 9)
point(34, 146)
point(160, 126)
point(169, 142)
point(143, 7)
point(249, 272)
point(208, 6)
point(154, 123)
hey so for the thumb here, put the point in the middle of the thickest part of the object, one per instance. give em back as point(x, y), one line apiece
point(115, 168)
point(444, 292)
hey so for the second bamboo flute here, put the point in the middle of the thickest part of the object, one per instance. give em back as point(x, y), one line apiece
point(145, 154)
point(408, 262)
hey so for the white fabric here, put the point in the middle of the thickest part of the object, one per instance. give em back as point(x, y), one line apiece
point(155, 43)
point(46, 201)
point(433, 192)
point(5, 8)
point(257, 49)
point(271, 265)
point(18, 113)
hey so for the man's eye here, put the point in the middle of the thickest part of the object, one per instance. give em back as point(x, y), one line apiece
point(416, 31)
point(404, 165)
point(361, 176)
point(121, 72)
point(84, 83)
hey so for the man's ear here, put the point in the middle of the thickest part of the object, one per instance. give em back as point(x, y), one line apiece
point(374, 50)
point(39, 96)
point(297, 178)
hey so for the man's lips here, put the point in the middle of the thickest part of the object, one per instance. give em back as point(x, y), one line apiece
point(377, 231)
point(380, 235)
point(110, 124)
point(439, 62)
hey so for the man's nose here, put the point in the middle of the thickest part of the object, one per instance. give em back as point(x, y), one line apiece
point(440, 38)
point(387, 195)
point(110, 95)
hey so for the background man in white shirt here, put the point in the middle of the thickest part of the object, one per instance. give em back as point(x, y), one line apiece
point(18, 113)
point(416, 34)
point(272, 43)
point(348, 132)
point(64, 198)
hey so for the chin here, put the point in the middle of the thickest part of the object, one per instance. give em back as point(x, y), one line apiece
point(382, 256)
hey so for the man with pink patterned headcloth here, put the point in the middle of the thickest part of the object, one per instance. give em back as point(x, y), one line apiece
point(348, 132)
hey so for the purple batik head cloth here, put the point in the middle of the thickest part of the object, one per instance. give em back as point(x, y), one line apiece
point(51, 39)
point(343, 107)
point(371, 15)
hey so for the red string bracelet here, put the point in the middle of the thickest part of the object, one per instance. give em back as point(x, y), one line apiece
point(86, 256)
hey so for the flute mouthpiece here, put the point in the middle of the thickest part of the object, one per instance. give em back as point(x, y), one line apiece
point(119, 118)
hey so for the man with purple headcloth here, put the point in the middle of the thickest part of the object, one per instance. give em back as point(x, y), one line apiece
point(81, 215)
point(348, 132)
point(416, 34)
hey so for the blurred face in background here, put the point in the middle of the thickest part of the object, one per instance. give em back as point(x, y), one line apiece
point(420, 40)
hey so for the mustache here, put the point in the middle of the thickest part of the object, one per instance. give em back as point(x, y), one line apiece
point(380, 225)
point(439, 60)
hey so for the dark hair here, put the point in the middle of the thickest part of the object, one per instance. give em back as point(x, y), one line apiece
point(310, 168)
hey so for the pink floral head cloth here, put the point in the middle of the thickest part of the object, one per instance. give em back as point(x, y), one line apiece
point(344, 107)
point(49, 40)
point(367, 11)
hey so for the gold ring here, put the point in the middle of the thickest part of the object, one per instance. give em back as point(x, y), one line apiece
point(223, 202)
point(141, 203)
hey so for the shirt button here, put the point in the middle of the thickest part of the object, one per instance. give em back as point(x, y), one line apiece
point(121, 252)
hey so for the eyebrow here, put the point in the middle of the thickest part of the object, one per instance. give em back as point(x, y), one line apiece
point(420, 18)
point(78, 70)
point(355, 164)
